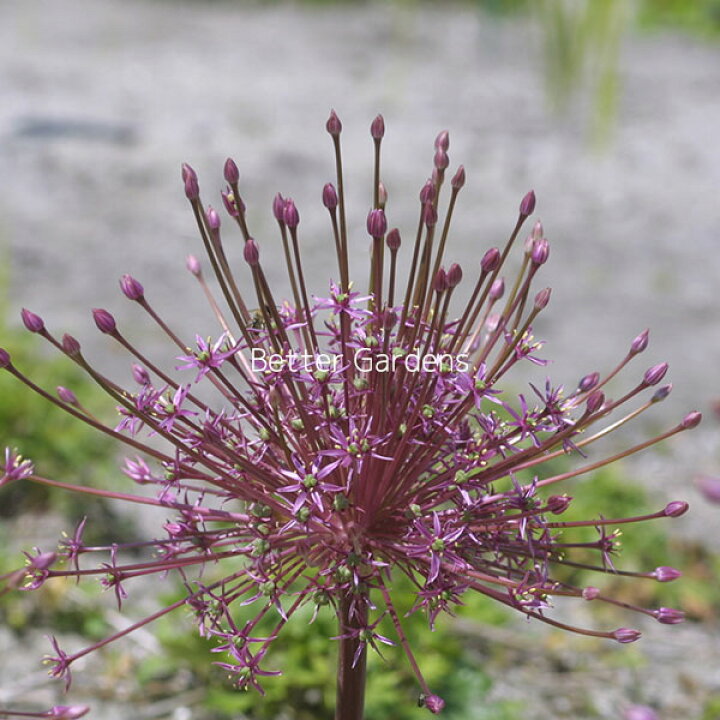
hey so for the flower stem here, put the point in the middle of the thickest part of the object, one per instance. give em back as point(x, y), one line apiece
point(351, 669)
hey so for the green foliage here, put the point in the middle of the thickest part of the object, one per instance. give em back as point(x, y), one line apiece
point(306, 655)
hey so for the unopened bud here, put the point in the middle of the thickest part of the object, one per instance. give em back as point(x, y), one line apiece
point(140, 374)
point(329, 197)
point(669, 616)
point(377, 128)
point(231, 172)
point(655, 374)
point(192, 189)
point(709, 487)
point(595, 401)
point(291, 216)
point(664, 573)
point(527, 204)
point(251, 253)
point(540, 251)
point(66, 395)
point(542, 299)
point(279, 207)
point(68, 712)
point(104, 320)
point(393, 240)
point(490, 261)
point(193, 265)
point(497, 289)
point(333, 125)
point(626, 635)
point(458, 179)
point(441, 159)
point(427, 193)
point(558, 504)
point(132, 289)
point(691, 420)
point(640, 342)
point(213, 219)
point(590, 593)
point(676, 508)
point(589, 382)
point(661, 393)
point(454, 275)
point(382, 195)
point(4, 358)
point(43, 561)
point(376, 223)
point(440, 281)
point(442, 141)
point(70, 345)
point(34, 323)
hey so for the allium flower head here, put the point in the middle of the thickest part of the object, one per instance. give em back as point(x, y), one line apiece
point(326, 443)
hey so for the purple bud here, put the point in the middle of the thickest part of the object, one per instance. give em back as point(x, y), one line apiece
point(434, 703)
point(442, 141)
point(376, 223)
point(661, 393)
point(389, 319)
point(429, 215)
point(377, 128)
point(192, 189)
point(497, 289)
point(595, 401)
point(382, 195)
point(676, 508)
point(441, 159)
point(4, 358)
point(213, 219)
point(229, 202)
point(540, 251)
point(669, 616)
point(104, 320)
point(537, 231)
point(231, 172)
point(589, 381)
point(187, 172)
point(329, 197)
point(66, 395)
point(458, 179)
point(590, 593)
point(70, 345)
point(664, 573)
point(655, 374)
point(542, 299)
point(140, 374)
point(558, 504)
point(527, 204)
point(691, 420)
point(43, 561)
point(640, 342)
point(454, 275)
point(251, 253)
point(427, 192)
point(440, 281)
point(279, 207)
point(333, 125)
point(193, 265)
point(490, 261)
point(393, 240)
point(34, 323)
point(132, 289)
point(291, 216)
point(709, 487)
point(626, 635)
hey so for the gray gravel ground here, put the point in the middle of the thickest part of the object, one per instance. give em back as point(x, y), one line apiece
point(101, 101)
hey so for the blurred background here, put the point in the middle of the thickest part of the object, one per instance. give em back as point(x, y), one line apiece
point(609, 109)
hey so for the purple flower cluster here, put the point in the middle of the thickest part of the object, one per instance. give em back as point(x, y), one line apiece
point(321, 481)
